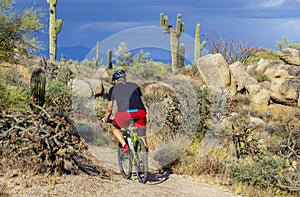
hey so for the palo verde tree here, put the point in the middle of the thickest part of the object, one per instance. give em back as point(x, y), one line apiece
point(16, 31)
point(54, 28)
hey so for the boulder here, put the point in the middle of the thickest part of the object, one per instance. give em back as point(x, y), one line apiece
point(283, 89)
point(241, 76)
point(262, 65)
point(290, 56)
point(81, 88)
point(96, 86)
point(101, 74)
point(258, 95)
point(214, 70)
point(262, 97)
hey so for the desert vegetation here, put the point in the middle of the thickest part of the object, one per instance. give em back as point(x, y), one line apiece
point(223, 138)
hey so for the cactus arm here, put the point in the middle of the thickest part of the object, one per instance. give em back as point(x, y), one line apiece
point(164, 23)
point(58, 25)
point(203, 44)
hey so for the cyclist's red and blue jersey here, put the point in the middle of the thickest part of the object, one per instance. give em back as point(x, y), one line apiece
point(129, 103)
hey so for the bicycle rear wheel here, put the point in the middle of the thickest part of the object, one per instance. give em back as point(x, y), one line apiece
point(141, 166)
point(125, 163)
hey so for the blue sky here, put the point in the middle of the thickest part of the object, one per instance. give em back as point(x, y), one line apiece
point(87, 21)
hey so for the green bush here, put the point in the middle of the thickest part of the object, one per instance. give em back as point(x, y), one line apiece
point(16, 31)
point(286, 44)
point(261, 172)
point(58, 93)
point(261, 54)
point(13, 97)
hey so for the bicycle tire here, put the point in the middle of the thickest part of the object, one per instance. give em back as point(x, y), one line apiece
point(142, 167)
point(125, 163)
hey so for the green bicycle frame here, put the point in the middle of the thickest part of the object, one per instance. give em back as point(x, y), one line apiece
point(129, 133)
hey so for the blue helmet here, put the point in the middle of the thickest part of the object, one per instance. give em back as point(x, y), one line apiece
point(118, 74)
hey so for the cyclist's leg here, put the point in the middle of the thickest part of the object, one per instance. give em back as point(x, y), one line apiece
point(120, 121)
point(118, 135)
point(141, 126)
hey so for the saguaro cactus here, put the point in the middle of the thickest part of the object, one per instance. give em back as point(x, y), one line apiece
point(109, 59)
point(97, 54)
point(174, 36)
point(54, 28)
point(198, 48)
point(38, 86)
point(181, 55)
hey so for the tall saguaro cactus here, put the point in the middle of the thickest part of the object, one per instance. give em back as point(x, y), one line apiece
point(54, 28)
point(198, 48)
point(174, 36)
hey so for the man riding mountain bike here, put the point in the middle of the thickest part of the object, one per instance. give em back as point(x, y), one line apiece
point(128, 98)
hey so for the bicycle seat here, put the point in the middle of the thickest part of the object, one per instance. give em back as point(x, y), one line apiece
point(134, 119)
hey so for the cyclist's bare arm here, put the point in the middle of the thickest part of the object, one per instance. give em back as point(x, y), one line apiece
point(108, 111)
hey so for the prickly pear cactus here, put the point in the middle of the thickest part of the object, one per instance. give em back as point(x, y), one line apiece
point(38, 86)
point(198, 48)
point(174, 36)
point(54, 28)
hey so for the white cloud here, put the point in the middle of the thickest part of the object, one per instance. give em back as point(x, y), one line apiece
point(273, 3)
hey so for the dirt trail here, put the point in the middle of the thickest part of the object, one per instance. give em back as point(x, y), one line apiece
point(160, 184)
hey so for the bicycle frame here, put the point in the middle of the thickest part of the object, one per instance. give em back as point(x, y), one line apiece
point(137, 157)
point(131, 133)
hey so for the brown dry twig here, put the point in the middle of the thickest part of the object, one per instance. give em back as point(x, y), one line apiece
point(46, 141)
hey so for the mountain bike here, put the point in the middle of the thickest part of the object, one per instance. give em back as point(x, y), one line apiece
point(137, 157)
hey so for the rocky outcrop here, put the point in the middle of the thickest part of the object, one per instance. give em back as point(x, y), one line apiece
point(290, 56)
point(240, 76)
point(265, 82)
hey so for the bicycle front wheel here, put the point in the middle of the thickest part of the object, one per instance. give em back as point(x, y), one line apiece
point(125, 163)
point(141, 167)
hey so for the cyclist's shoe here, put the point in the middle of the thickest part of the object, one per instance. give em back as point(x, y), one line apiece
point(125, 149)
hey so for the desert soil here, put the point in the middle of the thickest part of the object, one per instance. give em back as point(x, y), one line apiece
point(159, 184)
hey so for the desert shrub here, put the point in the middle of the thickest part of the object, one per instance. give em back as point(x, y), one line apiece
point(260, 172)
point(261, 54)
point(58, 93)
point(202, 96)
point(13, 97)
point(233, 50)
point(260, 77)
point(201, 166)
point(285, 43)
point(148, 71)
point(91, 133)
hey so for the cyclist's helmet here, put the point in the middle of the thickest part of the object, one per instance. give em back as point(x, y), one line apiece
point(118, 74)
